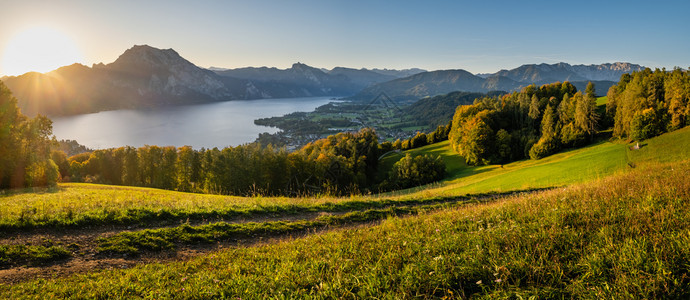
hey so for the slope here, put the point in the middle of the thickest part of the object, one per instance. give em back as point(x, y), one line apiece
point(621, 237)
point(568, 167)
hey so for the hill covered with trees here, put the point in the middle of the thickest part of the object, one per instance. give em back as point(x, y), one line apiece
point(25, 146)
point(648, 103)
point(534, 122)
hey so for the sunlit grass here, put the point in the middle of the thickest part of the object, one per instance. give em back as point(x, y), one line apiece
point(74, 204)
point(627, 236)
point(571, 166)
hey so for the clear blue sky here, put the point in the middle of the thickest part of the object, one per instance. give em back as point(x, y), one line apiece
point(479, 36)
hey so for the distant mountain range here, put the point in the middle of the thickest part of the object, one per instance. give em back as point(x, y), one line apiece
point(147, 77)
point(441, 82)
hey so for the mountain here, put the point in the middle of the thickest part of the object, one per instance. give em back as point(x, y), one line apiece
point(362, 77)
point(302, 80)
point(545, 73)
point(141, 77)
point(159, 74)
point(435, 83)
point(438, 110)
point(148, 77)
point(399, 73)
point(298, 81)
point(425, 84)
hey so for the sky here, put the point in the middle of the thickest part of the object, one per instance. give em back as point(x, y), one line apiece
point(478, 36)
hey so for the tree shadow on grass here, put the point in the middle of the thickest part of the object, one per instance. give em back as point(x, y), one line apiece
point(30, 190)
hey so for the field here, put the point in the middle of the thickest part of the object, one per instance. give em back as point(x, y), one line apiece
point(617, 227)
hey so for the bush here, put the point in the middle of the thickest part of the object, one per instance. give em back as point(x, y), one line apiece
point(413, 171)
point(644, 125)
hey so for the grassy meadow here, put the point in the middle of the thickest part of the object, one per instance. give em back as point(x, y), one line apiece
point(625, 236)
point(571, 166)
point(74, 204)
point(612, 223)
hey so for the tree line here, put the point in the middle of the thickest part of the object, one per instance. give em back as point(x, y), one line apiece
point(345, 163)
point(648, 103)
point(534, 122)
point(25, 146)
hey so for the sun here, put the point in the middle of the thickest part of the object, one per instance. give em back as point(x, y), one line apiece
point(39, 49)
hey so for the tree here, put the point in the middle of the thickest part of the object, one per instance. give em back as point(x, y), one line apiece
point(476, 142)
point(503, 142)
point(585, 115)
point(677, 96)
point(419, 140)
point(644, 125)
point(534, 108)
point(130, 167)
point(413, 171)
point(186, 169)
point(590, 91)
point(547, 144)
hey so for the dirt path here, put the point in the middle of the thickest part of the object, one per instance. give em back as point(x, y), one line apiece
point(85, 262)
point(84, 241)
point(83, 244)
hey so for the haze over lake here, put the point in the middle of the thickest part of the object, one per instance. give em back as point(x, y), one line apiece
point(211, 125)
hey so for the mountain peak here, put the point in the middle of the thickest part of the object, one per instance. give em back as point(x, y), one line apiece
point(150, 56)
point(301, 66)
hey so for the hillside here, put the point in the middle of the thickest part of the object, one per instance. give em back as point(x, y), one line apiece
point(572, 166)
point(588, 240)
point(439, 110)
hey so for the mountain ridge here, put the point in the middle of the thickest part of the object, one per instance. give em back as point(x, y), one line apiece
point(441, 82)
point(147, 77)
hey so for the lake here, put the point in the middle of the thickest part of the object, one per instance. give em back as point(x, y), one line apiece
point(210, 125)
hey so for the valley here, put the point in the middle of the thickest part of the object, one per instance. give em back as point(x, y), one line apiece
point(344, 150)
point(165, 221)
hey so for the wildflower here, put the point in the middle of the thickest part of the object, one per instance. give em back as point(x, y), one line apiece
point(440, 257)
point(479, 282)
point(438, 230)
point(498, 280)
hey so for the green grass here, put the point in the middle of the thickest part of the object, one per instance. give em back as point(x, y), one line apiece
point(18, 255)
point(627, 236)
point(134, 242)
point(455, 164)
point(669, 147)
point(601, 101)
point(619, 227)
point(78, 205)
point(81, 205)
point(567, 167)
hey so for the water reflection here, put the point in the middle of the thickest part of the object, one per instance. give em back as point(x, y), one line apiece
point(205, 125)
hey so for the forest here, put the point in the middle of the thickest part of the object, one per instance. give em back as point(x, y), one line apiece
point(25, 146)
point(646, 104)
point(537, 122)
point(345, 163)
point(532, 123)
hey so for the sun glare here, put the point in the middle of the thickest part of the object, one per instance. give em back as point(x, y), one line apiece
point(38, 49)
